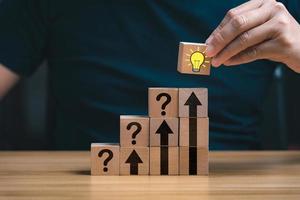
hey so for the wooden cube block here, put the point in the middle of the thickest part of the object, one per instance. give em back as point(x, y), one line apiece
point(193, 102)
point(104, 159)
point(193, 161)
point(163, 102)
point(134, 161)
point(164, 160)
point(163, 132)
point(194, 132)
point(134, 131)
point(192, 59)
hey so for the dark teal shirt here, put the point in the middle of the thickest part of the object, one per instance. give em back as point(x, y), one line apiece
point(104, 54)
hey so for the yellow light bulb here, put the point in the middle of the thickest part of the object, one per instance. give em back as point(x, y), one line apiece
point(197, 58)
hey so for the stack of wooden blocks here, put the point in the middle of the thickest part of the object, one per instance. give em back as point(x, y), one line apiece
point(172, 140)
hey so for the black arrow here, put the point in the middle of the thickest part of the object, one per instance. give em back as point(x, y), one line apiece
point(164, 130)
point(193, 102)
point(134, 160)
point(193, 160)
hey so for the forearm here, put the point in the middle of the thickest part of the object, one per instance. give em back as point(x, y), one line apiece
point(7, 80)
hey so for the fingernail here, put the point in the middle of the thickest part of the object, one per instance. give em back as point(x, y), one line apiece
point(215, 63)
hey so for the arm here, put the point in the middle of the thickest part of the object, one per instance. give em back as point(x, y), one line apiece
point(257, 29)
point(7, 80)
point(22, 39)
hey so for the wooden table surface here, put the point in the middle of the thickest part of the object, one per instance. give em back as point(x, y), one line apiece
point(233, 175)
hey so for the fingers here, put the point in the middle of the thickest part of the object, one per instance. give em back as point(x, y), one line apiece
point(261, 51)
point(258, 29)
point(238, 24)
point(249, 5)
point(247, 39)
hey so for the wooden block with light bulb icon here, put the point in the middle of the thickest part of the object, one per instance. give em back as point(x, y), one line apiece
point(192, 59)
point(134, 131)
point(163, 102)
point(104, 159)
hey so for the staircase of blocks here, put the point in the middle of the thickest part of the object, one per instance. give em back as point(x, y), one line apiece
point(173, 138)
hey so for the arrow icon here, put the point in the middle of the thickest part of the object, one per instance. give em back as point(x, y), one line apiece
point(193, 102)
point(193, 160)
point(134, 160)
point(164, 130)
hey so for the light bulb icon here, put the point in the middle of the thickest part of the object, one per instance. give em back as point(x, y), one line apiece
point(197, 59)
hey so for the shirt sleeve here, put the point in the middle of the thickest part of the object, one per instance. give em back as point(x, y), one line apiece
point(22, 34)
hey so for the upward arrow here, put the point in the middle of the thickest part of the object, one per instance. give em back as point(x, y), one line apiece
point(134, 160)
point(192, 102)
point(164, 130)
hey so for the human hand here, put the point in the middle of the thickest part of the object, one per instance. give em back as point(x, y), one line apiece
point(257, 29)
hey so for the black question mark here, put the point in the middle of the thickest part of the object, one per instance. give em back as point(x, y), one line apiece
point(109, 157)
point(164, 105)
point(137, 131)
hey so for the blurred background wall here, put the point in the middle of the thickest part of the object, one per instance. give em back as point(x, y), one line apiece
point(26, 114)
point(280, 128)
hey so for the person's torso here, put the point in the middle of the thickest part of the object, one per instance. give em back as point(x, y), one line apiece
point(103, 55)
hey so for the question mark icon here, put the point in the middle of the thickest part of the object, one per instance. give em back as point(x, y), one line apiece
point(164, 105)
point(136, 132)
point(109, 157)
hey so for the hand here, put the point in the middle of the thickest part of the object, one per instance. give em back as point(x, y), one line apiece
point(257, 29)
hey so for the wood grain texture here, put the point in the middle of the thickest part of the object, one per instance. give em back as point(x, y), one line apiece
point(201, 94)
point(66, 175)
point(129, 124)
point(202, 161)
point(173, 160)
point(98, 166)
point(185, 63)
point(143, 153)
point(155, 138)
point(202, 132)
point(155, 106)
